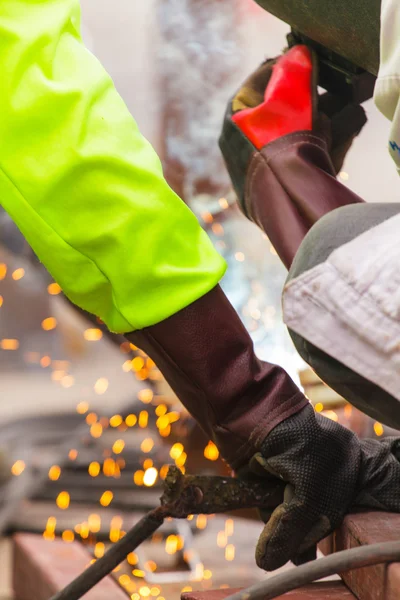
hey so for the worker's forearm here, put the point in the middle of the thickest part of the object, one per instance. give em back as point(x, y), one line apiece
point(284, 145)
point(82, 184)
point(291, 184)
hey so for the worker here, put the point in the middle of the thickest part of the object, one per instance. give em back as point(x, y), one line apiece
point(283, 147)
point(306, 142)
point(362, 272)
point(88, 193)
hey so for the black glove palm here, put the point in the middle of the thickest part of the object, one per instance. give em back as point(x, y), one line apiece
point(329, 472)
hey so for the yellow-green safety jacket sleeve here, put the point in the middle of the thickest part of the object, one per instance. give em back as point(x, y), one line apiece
point(81, 183)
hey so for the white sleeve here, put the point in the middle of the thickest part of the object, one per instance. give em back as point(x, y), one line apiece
point(349, 306)
point(387, 89)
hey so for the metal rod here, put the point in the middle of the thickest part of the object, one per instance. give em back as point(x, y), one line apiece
point(183, 495)
point(337, 563)
point(113, 557)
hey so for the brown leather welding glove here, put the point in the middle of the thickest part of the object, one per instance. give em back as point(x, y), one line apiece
point(283, 146)
point(330, 472)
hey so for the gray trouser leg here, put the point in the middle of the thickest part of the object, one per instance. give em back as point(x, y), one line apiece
point(331, 231)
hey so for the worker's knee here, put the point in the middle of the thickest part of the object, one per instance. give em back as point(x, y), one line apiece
point(329, 233)
point(337, 228)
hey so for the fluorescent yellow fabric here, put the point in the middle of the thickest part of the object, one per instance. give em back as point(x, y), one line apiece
point(82, 184)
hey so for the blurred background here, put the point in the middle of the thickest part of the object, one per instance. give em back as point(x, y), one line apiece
point(87, 424)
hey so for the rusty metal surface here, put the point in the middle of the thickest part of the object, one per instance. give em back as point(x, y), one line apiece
point(393, 582)
point(203, 494)
point(377, 582)
point(42, 568)
point(350, 28)
point(172, 576)
point(184, 496)
point(329, 590)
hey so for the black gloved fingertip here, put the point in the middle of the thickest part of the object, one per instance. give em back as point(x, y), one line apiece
point(305, 557)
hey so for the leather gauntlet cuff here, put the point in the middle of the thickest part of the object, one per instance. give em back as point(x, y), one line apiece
point(207, 357)
point(290, 184)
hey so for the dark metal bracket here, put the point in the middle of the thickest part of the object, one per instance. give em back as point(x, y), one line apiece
point(337, 75)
